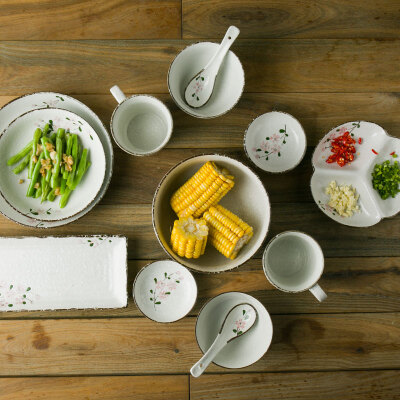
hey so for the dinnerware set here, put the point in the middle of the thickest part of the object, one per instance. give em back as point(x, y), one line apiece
point(205, 80)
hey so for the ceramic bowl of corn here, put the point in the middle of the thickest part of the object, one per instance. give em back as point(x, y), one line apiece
point(211, 213)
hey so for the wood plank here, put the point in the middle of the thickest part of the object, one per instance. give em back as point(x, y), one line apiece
point(357, 284)
point(131, 346)
point(288, 18)
point(303, 65)
point(346, 385)
point(100, 388)
point(76, 19)
point(134, 221)
point(318, 113)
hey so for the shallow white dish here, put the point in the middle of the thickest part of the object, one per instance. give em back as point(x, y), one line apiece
point(29, 102)
point(228, 87)
point(19, 133)
point(248, 199)
point(244, 350)
point(164, 291)
point(275, 142)
point(374, 139)
point(63, 273)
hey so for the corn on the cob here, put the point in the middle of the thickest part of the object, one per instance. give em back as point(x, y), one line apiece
point(189, 237)
point(227, 232)
point(203, 190)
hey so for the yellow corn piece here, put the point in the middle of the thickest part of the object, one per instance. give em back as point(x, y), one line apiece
point(227, 232)
point(189, 237)
point(203, 190)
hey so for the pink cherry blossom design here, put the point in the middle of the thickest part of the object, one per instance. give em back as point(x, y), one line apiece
point(275, 137)
point(257, 156)
point(342, 130)
point(264, 146)
point(240, 324)
point(171, 285)
point(160, 285)
point(162, 295)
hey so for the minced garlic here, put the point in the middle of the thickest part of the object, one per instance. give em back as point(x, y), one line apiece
point(343, 199)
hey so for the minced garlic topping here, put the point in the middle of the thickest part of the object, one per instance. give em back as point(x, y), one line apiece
point(343, 199)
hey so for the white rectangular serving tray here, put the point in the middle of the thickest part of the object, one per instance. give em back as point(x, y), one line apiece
point(52, 273)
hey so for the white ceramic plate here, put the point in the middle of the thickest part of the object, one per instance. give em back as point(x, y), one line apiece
point(63, 273)
point(164, 291)
point(228, 87)
point(275, 142)
point(50, 99)
point(244, 350)
point(19, 133)
point(248, 199)
point(374, 139)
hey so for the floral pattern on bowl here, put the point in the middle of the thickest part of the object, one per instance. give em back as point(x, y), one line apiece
point(15, 295)
point(275, 142)
point(240, 324)
point(164, 291)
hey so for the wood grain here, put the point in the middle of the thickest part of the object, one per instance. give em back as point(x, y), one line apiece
point(137, 346)
point(99, 388)
point(288, 18)
point(134, 221)
point(102, 19)
point(303, 65)
point(356, 284)
point(346, 385)
point(317, 112)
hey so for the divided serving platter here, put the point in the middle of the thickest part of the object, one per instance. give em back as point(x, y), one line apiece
point(38, 100)
point(373, 146)
point(63, 272)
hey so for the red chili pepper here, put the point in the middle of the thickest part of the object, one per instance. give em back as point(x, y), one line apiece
point(343, 150)
point(359, 140)
point(374, 151)
point(392, 153)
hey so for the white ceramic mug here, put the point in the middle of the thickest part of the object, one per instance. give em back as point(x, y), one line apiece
point(141, 124)
point(293, 262)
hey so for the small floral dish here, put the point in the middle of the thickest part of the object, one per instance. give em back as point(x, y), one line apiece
point(245, 350)
point(229, 83)
point(13, 187)
point(368, 144)
point(38, 100)
point(248, 198)
point(164, 291)
point(275, 142)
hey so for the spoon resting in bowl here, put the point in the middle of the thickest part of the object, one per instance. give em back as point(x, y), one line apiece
point(238, 321)
point(201, 86)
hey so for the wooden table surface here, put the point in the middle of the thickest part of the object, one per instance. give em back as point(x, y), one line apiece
point(324, 61)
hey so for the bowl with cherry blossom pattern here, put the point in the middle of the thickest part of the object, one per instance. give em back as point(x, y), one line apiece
point(229, 83)
point(164, 291)
point(373, 146)
point(275, 142)
point(244, 350)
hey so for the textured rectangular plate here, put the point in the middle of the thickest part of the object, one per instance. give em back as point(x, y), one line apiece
point(53, 273)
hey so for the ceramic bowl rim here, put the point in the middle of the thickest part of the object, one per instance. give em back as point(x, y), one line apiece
point(266, 271)
point(111, 166)
point(88, 203)
point(284, 170)
point(148, 265)
point(197, 115)
point(314, 170)
point(155, 198)
point(157, 149)
point(224, 293)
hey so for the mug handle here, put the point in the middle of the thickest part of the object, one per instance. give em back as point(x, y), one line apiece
point(318, 292)
point(118, 93)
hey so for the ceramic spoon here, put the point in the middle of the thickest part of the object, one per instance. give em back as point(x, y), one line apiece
point(200, 88)
point(239, 320)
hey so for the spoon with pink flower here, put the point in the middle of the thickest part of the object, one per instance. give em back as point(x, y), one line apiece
point(238, 321)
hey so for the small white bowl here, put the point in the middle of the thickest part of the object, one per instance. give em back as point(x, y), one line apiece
point(244, 350)
point(248, 199)
point(19, 133)
point(164, 291)
point(275, 142)
point(228, 87)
